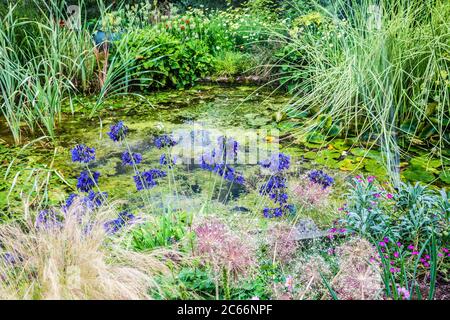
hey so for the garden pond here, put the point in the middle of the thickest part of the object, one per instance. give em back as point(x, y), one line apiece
point(203, 112)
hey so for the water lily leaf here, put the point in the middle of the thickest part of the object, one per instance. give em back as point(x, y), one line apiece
point(287, 125)
point(324, 121)
point(415, 173)
point(297, 114)
point(340, 144)
point(371, 154)
point(348, 165)
point(256, 121)
point(333, 131)
point(310, 155)
point(425, 162)
point(375, 168)
point(328, 162)
point(445, 177)
point(329, 154)
point(315, 137)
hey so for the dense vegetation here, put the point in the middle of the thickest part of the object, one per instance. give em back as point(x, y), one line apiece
point(355, 206)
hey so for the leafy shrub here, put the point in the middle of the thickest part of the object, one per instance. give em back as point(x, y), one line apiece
point(411, 215)
point(171, 61)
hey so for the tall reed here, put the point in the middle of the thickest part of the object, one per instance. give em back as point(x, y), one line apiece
point(383, 72)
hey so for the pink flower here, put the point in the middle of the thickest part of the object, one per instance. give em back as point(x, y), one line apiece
point(289, 282)
point(445, 250)
point(371, 179)
point(377, 195)
point(411, 247)
point(426, 264)
point(403, 293)
point(386, 239)
point(396, 254)
point(415, 253)
point(389, 196)
point(440, 255)
point(399, 244)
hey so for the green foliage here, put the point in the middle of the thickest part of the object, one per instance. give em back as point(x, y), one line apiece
point(166, 230)
point(232, 63)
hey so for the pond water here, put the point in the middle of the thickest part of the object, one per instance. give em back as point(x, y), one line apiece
point(199, 115)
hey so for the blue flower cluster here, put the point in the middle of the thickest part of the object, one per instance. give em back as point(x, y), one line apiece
point(115, 225)
point(86, 182)
point(69, 201)
point(277, 163)
point(129, 159)
point(146, 179)
point(164, 141)
point(9, 258)
point(165, 160)
point(321, 178)
point(92, 201)
point(227, 148)
point(118, 131)
point(276, 186)
point(82, 153)
point(226, 171)
point(47, 218)
point(95, 199)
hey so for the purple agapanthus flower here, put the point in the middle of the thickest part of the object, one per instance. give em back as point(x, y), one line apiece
point(94, 199)
point(113, 226)
point(227, 148)
point(85, 181)
point(274, 183)
point(165, 160)
point(277, 212)
point(207, 161)
point(118, 131)
point(146, 179)
point(69, 201)
point(129, 159)
point(47, 218)
point(228, 173)
point(9, 258)
point(277, 162)
point(164, 141)
point(82, 153)
point(321, 178)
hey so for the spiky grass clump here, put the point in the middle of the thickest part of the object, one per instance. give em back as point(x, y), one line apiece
point(381, 72)
point(73, 259)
